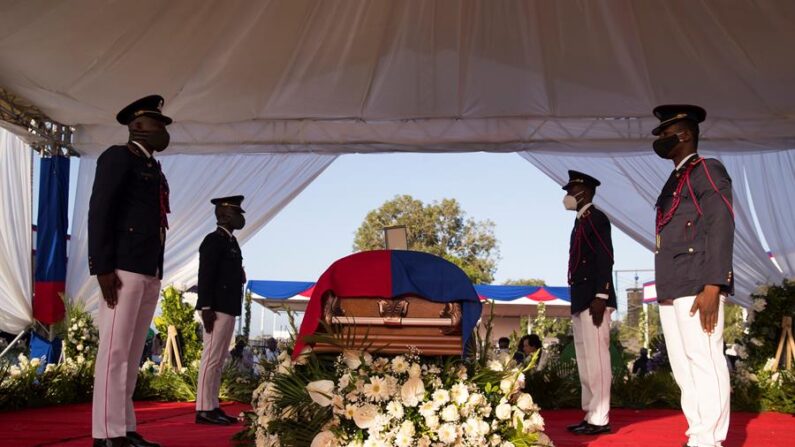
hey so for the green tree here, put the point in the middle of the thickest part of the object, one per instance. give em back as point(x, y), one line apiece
point(525, 282)
point(174, 311)
point(734, 325)
point(545, 326)
point(440, 228)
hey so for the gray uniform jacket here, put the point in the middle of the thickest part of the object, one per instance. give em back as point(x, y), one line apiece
point(695, 247)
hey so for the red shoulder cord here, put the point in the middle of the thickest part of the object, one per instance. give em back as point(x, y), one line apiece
point(663, 219)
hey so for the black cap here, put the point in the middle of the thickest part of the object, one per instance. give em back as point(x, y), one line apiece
point(576, 177)
point(151, 106)
point(232, 201)
point(672, 113)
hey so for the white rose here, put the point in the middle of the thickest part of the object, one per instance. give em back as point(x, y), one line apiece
point(345, 380)
point(525, 402)
point(536, 422)
point(324, 439)
point(415, 370)
point(503, 411)
point(506, 386)
point(79, 347)
point(365, 416)
point(321, 392)
point(450, 413)
point(352, 359)
point(412, 392)
point(483, 428)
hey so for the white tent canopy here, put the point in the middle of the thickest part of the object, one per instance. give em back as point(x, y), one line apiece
point(540, 77)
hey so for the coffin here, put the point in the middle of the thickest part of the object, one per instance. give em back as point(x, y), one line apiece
point(393, 325)
point(388, 301)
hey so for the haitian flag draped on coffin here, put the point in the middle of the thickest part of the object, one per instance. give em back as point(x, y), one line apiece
point(392, 274)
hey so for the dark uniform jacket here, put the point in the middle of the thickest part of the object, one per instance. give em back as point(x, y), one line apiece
point(695, 247)
point(221, 274)
point(124, 227)
point(591, 260)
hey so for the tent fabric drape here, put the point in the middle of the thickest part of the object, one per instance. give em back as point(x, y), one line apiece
point(16, 245)
point(443, 75)
point(632, 181)
point(269, 182)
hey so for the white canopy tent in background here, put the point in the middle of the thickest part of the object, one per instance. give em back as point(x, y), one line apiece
point(16, 276)
point(575, 80)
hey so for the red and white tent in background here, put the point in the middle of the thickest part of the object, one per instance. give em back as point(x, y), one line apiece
point(508, 301)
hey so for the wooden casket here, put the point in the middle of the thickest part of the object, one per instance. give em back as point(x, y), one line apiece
point(392, 325)
point(389, 301)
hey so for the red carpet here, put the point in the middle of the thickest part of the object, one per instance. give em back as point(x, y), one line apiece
point(172, 425)
point(652, 428)
point(169, 423)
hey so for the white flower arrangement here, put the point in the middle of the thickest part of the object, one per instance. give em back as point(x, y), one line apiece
point(82, 337)
point(400, 401)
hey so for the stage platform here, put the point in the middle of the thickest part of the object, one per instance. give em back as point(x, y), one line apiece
point(172, 425)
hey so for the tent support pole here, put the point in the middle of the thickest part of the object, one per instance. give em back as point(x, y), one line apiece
point(14, 342)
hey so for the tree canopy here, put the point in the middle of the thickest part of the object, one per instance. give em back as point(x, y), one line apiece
point(441, 228)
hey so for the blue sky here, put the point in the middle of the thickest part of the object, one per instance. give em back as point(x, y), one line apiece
point(531, 225)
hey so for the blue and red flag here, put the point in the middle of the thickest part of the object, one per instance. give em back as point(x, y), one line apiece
point(390, 274)
point(51, 228)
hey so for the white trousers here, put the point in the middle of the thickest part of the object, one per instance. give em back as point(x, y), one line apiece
point(699, 367)
point(592, 346)
point(216, 349)
point(122, 335)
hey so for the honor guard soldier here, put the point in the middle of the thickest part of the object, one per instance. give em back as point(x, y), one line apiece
point(593, 299)
point(127, 222)
point(693, 269)
point(221, 279)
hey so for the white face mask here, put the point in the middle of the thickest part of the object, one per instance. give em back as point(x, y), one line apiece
point(570, 201)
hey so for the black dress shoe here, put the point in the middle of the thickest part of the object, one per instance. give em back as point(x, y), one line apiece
point(220, 413)
point(210, 418)
point(575, 427)
point(112, 442)
point(591, 429)
point(136, 440)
